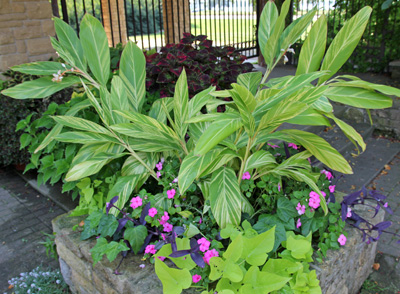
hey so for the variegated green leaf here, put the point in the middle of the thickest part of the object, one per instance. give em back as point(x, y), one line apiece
point(250, 81)
point(357, 97)
point(225, 197)
point(133, 167)
point(310, 117)
point(63, 53)
point(95, 45)
point(271, 49)
point(259, 159)
point(40, 88)
point(221, 93)
point(282, 112)
point(58, 127)
point(96, 105)
point(40, 68)
point(160, 108)
point(70, 43)
point(119, 99)
point(81, 124)
point(106, 105)
point(345, 42)
point(349, 131)
point(215, 133)
point(91, 166)
point(88, 151)
point(321, 149)
point(196, 130)
point(268, 18)
point(309, 94)
point(369, 86)
point(181, 108)
point(246, 103)
point(84, 138)
point(322, 104)
point(133, 74)
point(199, 100)
point(313, 49)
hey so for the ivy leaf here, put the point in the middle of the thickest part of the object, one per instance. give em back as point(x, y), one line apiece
point(135, 237)
point(110, 249)
point(107, 225)
point(173, 280)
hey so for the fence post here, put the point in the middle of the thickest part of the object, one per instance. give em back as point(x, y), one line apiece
point(113, 12)
point(176, 17)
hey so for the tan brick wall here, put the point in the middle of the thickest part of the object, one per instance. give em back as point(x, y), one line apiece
point(25, 27)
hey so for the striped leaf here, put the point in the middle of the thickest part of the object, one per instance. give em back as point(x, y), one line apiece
point(119, 99)
point(215, 133)
point(133, 167)
point(91, 166)
point(268, 18)
point(40, 88)
point(358, 97)
point(95, 45)
point(106, 105)
point(123, 188)
point(321, 149)
point(308, 94)
point(310, 117)
point(369, 86)
point(282, 112)
point(225, 197)
point(40, 68)
point(322, 104)
point(193, 167)
point(345, 42)
point(81, 124)
point(133, 73)
point(313, 49)
point(64, 54)
point(349, 131)
point(96, 105)
point(70, 43)
point(181, 108)
point(250, 81)
point(293, 32)
point(89, 151)
point(271, 49)
point(199, 100)
point(84, 138)
point(246, 103)
point(157, 110)
point(58, 127)
point(259, 159)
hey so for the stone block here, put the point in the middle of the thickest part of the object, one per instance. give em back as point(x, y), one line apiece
point(27, 32)
point(18, 7)
point(5, 7)
point(39, 46)
point(6, 37)
point(39, 10)
point(31, 23)
point(12, 17)
point(11, 60)
point(48, 27)
point(21, 46)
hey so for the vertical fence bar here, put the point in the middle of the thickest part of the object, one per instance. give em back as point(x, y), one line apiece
point(76, 18)
point(64, 11)
point(160, 7)
point(154, 25)
point(148, 25)
point(93, 10)
point(84, 6)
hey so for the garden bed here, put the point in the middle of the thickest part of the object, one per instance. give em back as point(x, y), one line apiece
point(343, 271)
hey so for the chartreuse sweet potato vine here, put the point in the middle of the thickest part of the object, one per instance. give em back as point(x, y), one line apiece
point(216, 150)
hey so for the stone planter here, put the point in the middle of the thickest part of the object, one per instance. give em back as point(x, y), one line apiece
point(342, 272)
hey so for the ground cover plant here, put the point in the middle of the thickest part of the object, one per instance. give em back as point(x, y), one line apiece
point(213, 192)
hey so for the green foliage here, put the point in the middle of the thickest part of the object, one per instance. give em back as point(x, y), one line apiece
point(111, 250)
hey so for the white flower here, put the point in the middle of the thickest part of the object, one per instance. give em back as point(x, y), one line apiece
point(57, 77)
point(285, 59)
point(63, 65)
point(58, 281)
point(291, 50)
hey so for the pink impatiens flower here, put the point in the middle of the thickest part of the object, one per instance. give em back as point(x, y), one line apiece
point(167, 227)
point(298, 223)
point(196, 278)
point(150, 249)
point(209, 254)
point(342, 240)
point(136, 202)
point(327, 174)
point(385, 205)
point(171, 193)
point(162, 258)
point(246, 176)
point(158, 175)
point(332, 188)
point(294, 146)
point(152, 211)
point(301, 209)
point(273, 146)
point(159, 165)
point(204, 244)
point(314, 200)
point(279, 187)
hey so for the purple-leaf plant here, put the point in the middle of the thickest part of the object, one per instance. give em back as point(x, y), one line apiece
point(355, 220)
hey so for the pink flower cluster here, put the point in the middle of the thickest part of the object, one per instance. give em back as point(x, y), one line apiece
point(294, 146)
point(152, 211)
point(204, 244)
point(246, 176)
point(136, 202)
point(167, 227)
point(301, 209)
point(196, 278)
point(171, 193)
point(150, 249)
point(332, 188)
point(209, 254)
point(298, 223)
point(314, 200)
point(342, 240)
point(327, 174)
point(164, 218)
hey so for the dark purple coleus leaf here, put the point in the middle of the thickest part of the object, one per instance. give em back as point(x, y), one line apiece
point(121, 224)
point(145, 212)
point(145, 243)
point(163, 63)
point(198, 259)
point(178, 230)
point(382, 226)
point(179, 253)
point(165, 77)
point(110, 204)
point(159, 245)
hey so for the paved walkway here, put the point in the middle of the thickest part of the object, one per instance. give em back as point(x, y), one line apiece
point(24, 215)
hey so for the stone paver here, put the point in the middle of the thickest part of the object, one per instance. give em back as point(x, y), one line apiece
point(24, 215)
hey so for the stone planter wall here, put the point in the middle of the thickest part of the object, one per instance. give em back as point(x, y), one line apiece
point(343, 271)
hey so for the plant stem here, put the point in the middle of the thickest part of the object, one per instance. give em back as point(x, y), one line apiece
point(248, 147)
